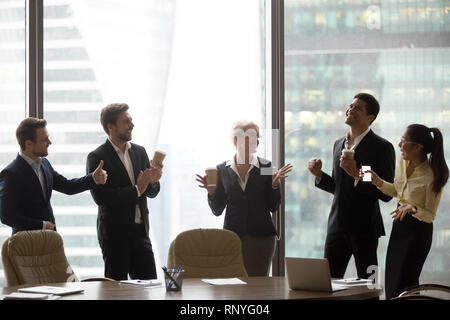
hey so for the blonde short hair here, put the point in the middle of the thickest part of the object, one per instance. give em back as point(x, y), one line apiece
point(243, 126)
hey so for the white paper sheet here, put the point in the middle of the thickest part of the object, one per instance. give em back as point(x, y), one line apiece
point(60, 291)
point(143, 283)
point(29, 296)
point(224, 282)
point(350, 282)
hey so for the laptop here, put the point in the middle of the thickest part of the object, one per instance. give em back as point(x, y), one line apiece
point(310, 274)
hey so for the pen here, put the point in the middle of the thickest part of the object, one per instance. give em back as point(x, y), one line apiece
point(171, 279)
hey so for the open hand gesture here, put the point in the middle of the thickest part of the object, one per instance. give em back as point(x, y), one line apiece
point(203, 184)
point(402, 211)
point(280, 174)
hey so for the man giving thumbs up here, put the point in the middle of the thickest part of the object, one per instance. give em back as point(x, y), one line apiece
point(26, 184)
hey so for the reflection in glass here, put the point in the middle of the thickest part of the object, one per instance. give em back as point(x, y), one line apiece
point(396, 50)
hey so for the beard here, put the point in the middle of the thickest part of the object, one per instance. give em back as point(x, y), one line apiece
point(125, 136)
point(43, 153)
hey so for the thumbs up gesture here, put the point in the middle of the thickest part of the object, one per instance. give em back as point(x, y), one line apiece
point(99, 174)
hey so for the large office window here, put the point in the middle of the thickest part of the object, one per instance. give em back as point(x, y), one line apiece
point(12, 84)
point(187, 74)
point(397, 50)
point(12, 75)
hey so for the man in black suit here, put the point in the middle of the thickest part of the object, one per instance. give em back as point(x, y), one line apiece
point(355, 222)
point(26, 184)
point(122, 222)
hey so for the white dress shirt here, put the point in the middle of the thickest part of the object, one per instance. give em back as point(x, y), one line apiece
point(355, 144)
point(357, 140)
point(253, 163)
point(36, 166)
point(126, 161)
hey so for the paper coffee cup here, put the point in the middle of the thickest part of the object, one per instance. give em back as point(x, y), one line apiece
point(158, 158)
point(211, 177)
point(348, 153)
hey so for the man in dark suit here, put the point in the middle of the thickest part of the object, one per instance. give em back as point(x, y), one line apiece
point(122, 222)
point(355, 223)
point(26, 184)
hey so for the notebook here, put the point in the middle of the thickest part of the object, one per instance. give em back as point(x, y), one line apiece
point(310, 274)
point(143, 283)
point(60, 291)
point(353, 282)
point(29, 296)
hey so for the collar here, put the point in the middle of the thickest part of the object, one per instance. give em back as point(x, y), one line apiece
point(358, 138)
point(253, 161)
point(28, 159)
point(422, 166)
point(127, 146)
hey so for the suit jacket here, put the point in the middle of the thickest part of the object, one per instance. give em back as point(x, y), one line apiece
point(248, 212)
point(356, 210)
point(22, 203)
point(117, 198)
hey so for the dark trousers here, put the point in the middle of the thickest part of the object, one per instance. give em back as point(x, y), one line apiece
point(408, 248)
point(339, 247)
point(131, 255)
point(257, 253)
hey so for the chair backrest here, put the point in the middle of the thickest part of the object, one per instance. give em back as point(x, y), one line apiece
point(35, 257)
point(427, 291)
point(207, 253)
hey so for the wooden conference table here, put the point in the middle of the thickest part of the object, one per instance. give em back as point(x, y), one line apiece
point(257, 288)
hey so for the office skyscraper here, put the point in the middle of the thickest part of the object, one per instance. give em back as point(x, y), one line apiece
point(397, 50)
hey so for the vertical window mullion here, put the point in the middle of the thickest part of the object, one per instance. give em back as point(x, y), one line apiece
point(277, 49)
point(34, 57)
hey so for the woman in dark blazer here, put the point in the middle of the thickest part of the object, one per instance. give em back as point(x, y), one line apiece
point(249, 190)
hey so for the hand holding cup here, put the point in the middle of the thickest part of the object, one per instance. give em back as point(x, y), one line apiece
point(158, 159)
point(209, 180)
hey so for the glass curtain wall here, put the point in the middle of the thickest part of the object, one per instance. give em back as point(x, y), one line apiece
point(187, 74)
point(399, 51)
point(12, 85)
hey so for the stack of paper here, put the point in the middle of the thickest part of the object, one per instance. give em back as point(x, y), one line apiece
point(29, 296)
point(352, 282)
point(60, 291)
point(143, 283)
point(223, 282)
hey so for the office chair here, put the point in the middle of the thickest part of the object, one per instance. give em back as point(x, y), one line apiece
point(415, 292)
point(36, 257)
point(207, 253)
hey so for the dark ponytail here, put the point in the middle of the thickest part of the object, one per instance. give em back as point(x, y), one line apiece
point(437, 161)
point(433, 144)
